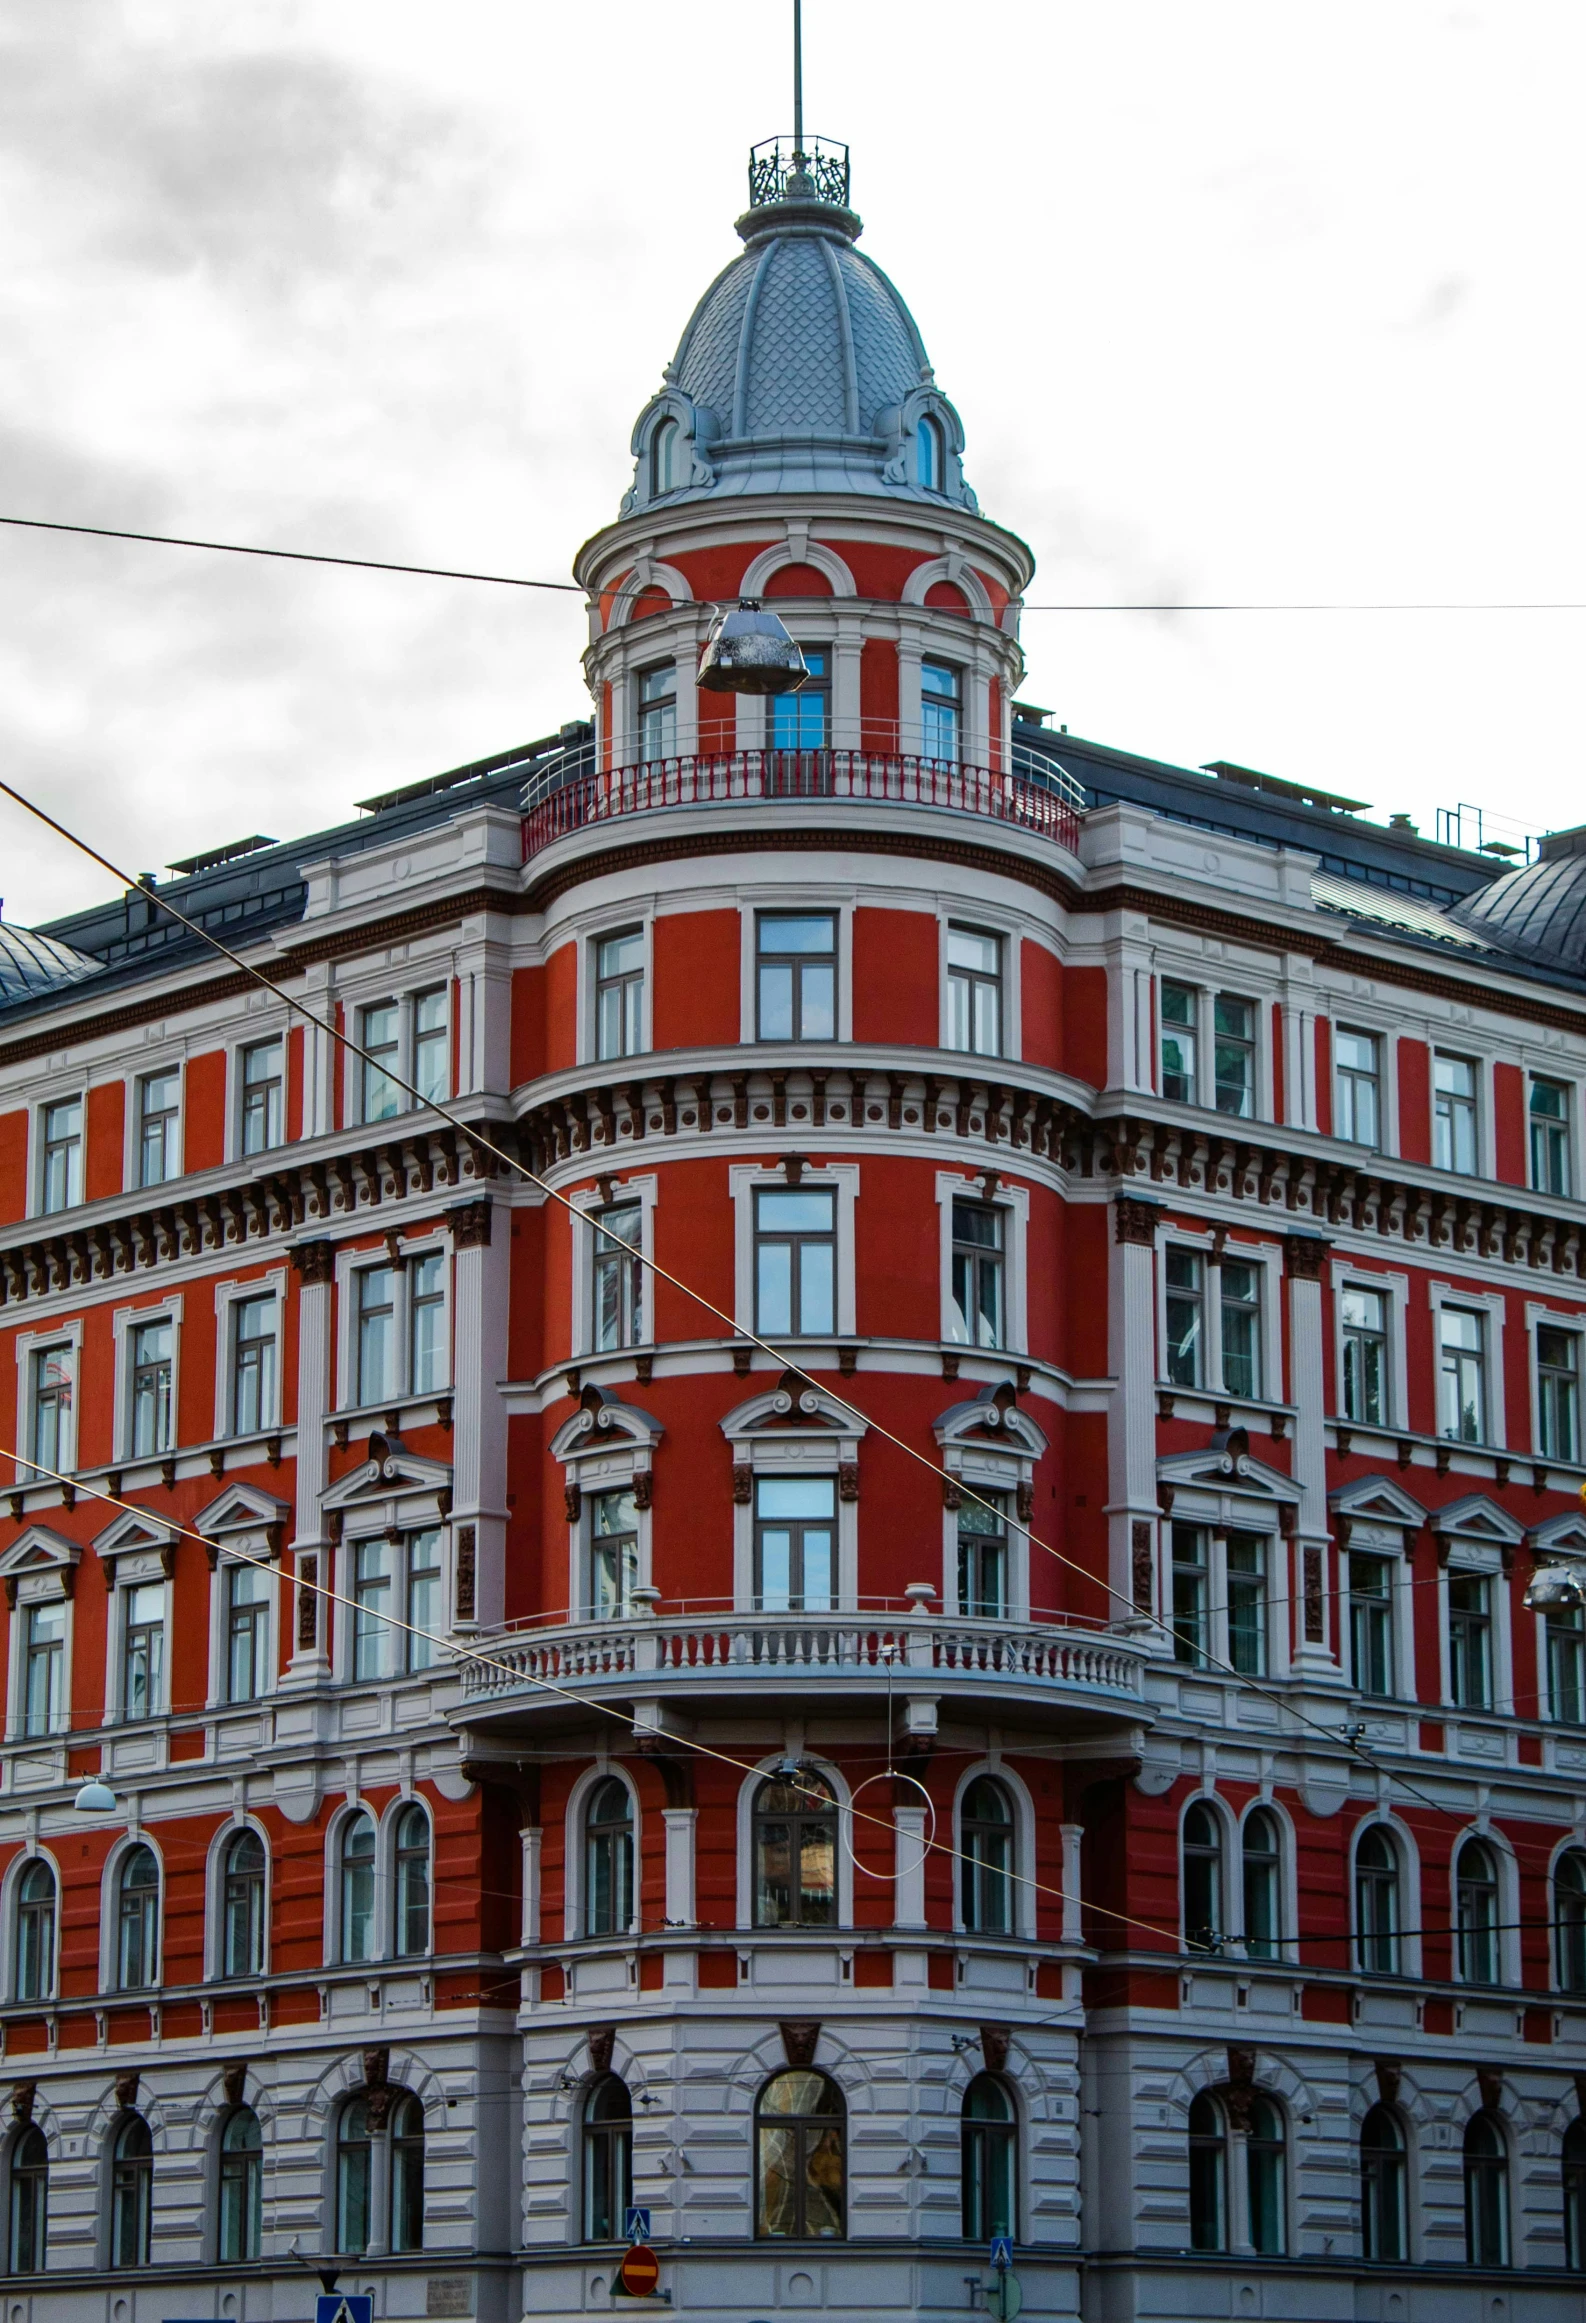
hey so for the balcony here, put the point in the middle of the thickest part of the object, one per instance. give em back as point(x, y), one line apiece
point(1046, 1673)
point(1036, 799)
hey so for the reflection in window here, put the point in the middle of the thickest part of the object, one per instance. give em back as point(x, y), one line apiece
point(608, 1859)
point(44, 1650)
point(1365, 1333)
point(986, 1871)
point(795, 1853)
point(1180, 1008)
point(263, 1083)
point(411, 1932)
point(143, 1649)
point(608, 2159)
point(241, 2186)
point(795, 1261)
point(989, 2150)
point(941, 711)
point(30, 2184)
point(657, 704)
point(427, 1351)
point(1260, 1853)
point(1486, 2193)
point(1476, 1914)
point(1377, 1902)
point(1454, 1115)
point(1185, 1315)
point(1575, 2194)
point(1470, 1640)
point(618, 1284)
point(619, 994)
point(795, 1544)
point(800, 2159)
point(253, 1334)
point(1265, 2165)
point(159, 1117)
point(377, 1341)
point(380, 1033)
point(1247, 1603)
point(977, 1309)
point(1357, 1106)
point(151, 1389)
point(137, 1920)
point(1462, 1375)
point(62, 1182)
point(613, 1553)
point(242, 1906)
point(131, 2191)
point(1234, 1055)
point(357, 1893)
point(1190, 1578)
point(35, 1932)
point(1558, 1393)
point(54, 1378)
point(1371, 1622)
point(1550, 1154)
point(1239, 1295)
point(1382, 2209)
point(1203, 1877)
point(983, 1556)
point(798, 721)
point(929, 466)
point(796, 976)
point(247, 1632)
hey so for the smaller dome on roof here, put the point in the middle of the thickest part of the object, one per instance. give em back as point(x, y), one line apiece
point(1538, 911)
point(31, 963)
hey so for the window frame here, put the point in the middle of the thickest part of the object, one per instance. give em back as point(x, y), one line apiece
point(988, 2145)
point(645, 706)
point(74, 1144)
point(823, 1323)
point(627, 983)
point(1218, 1647)
point(27, 2191)
point(576, 1906)
point(118, 1918)
point(128, 2174)
point(605, 2151)
point(795, 960)
point(1265, 1310)
point(221, 1882)
point(351, 1263)
point(170, 1120)
point(974, 981)
point(243, 1051)
point(1378, 1950)
point(797, 1524)
point(1205, 1034)
point(45, 1949)
point(1350, 1077)
point(805, 2121)
point(32, 1349)
point(817, 687)
point(1394, 1290)
point(1474, 2169)
point(228, 1297)
point(1012, 1205)
point(396, 1656)
point(1540, 1319)
point(1471, 1109)
point(938, 700)
point(404, 1052)
point(1556, 1128)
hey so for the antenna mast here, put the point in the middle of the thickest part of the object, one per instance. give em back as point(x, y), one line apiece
point(798, 80)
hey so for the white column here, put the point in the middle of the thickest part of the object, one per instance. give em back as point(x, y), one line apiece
point(679, 1823)
point(321, 1055)
point(1134, 1563)
point(910, 728)
point(531, 1840)
point(1072, 1835)
point(314, 1263)
point(480, 1257)
point(847, 733)
point(909, 1864)
point(1315, 1650)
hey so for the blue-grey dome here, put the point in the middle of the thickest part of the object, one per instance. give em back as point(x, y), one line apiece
point(801, 369)
point(31, 963)
point(1538, 911)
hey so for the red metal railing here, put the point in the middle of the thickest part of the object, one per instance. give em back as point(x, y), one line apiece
point(835, 777)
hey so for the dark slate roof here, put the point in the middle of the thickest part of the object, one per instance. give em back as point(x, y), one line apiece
point(1538, 911)
point(32, 963)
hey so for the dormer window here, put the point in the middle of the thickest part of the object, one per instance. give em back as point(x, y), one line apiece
point(663, 457)
point(930, 460)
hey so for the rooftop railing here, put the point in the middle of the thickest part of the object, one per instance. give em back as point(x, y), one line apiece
point(1045, 803)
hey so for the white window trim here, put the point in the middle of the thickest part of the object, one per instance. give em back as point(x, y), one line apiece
point(642, 923)
point(791, 1454)
point(109, 1896)
point(144, 1069)
point(132, 1568)
point(124, 1322)
point(987, 1471)
point(842, 1178)
point(28, 1344)
point(1539, 1317)
point(573, 1884)
point(1023, 1899)
point(646, 1192)
point(42, 1106)
point(215, 1897)
point(1359, 1021)
point(1014, 1203)
point(1267, 1258)
point(1227, 1852)
point(1288, 1882)
point(1217, 1516)
point(1494, 1304)
point(747, 1790)
point(243, 1548)
point(352, 1805)
point(31, 1850)
point(412, 989)
point(1408, 1856)
point(352, 1260)
point(46, 1585)
point(1502, 1853)
point(1570, 1082)
point(807, 901)
point(1207, 992)
point(375, 1523)
point(608, 1467)
point(1395, 1292)
point(254, 1036)
point(1571, 1844)
point(1374, 1537)
point(1486, 1128)
point(1008, 931)
point(1484, 1558)
point(227, 1295)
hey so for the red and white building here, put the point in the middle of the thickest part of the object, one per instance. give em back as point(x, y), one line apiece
point(1075, 1746)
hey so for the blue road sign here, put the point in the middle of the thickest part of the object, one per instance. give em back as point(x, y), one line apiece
point(635, 2225)
point(344, 2307)
point(1001, 2256)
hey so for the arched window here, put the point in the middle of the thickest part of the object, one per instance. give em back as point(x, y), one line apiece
point(608, 1859)
point(137, 1920)
point(354, 2158)
point(1263, 1915)
point(990, 2148)
point(1203, 1880)
point(1377, 1902)
point(412, 1928)
point(30, 2185)
point(241, 2185)
point(242, 1906)
point(986, 1841)
point(1476, 1914)
point(800, 2161)
point(35, 1979)
point(928, 460)
point(1208, 2175)
point(1264, 2161)
point(663, 457)
point(1486, 2193)
point(795, 1853)
point(1575, 2194)
point(608, 2159)
point(131, 2191)
point(1569, 1920)
point(1382, 2212)
point(357, 1896)
point(407, 2173)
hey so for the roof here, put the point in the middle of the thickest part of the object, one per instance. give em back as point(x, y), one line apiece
point(31, 963)
point(1539, 911)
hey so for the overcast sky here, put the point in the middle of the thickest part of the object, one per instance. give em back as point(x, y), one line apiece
point(1237, 301)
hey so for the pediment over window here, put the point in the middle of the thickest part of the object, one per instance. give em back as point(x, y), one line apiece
point(391, 1470)
point(601, 1424)
point(1476, 1519)
point(135, 1533)
point(792, 1408)
point(1239, 1475)
point(38, 1554)
point(1562, 1536)
point(241, 1508)
point(1376, 1500)
point(993, 1419)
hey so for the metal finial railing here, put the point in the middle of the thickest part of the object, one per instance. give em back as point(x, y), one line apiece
point(800, 170)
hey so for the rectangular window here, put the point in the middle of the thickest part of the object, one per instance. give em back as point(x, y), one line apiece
point(658, 711)
point(1462, 1375)
point(428, 1368)
point(1454, 1115)
point(795, 1261)
point(799, 721)
point(1550, 1155)
point(61, 1182)
point(432, 1046)
point(1180, 1004)
point(974, 992)
point(977, 1311)
point(375, 1294)
point(142, 1649)
point(152, 1432)
point(796, 976)
point(1558, 1393)
point(1234, 1055)
point(55, 1408)
point(1357, 1087)
point(263, 1096)
point(159, 1119)
point(371, 1606)
point(1364, 1316)
point(1566, 1664)
point(983, 1557)
point(253, 1365)
point(380, 1038)
point(1470, 1641)
point(44, 1677)
point(613, 1554)
point(1189, 1595)
point(1239, 1302)
point(617, 1301)
point(795, 1544)
point(424, 1599)
point(1186, 1295)
point(1371, 1622)
point(247, 1632)
point(619, 994)
point(1247, 1603)
point(941, 711)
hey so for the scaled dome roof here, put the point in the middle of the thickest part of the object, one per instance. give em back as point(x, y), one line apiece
point(801, 369)
point(1538, 911)
point(32, 963)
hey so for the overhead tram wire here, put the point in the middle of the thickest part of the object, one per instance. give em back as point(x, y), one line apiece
point(235, 548)
point(479, 1143)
